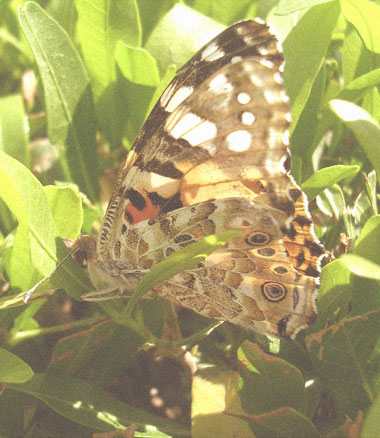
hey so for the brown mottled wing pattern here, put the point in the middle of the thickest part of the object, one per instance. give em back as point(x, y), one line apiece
point(215, 146)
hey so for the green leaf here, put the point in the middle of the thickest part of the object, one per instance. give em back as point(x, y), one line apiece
point(334, 293)
point(303, 139)
point(326, 177)
point(13, 369)
point(352, 52)
point(305, 49)
point(342, 354)
point(66, 206)
point(365, 16)
point(87, 404)
point(282, 423)
point(82, 353)
point(137, 65)
point(368, 80)
point(363, 126)
point(68, 98)
point(40, 247)
point(371, 425)
point(225, 11)
point(361, 266)
point(174, 29)
point(177, 262)
point(101, 24)
point(214, 393)
point(286, 7)
point(268, 382)
point(366, 295)
point(331, 201)
point(13, 128)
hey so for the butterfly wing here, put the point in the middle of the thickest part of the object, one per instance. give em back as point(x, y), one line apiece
point(219, 131)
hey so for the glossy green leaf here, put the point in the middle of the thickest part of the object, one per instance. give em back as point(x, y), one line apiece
point(361, 266)
point(13, 369)
point(14, 129)
point(365, 16)
point(137, 65)
point(89, 405)
point(326, 177)
point(68, 98)
point(363, 126)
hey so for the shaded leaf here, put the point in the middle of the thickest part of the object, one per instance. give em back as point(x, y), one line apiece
point(341, 355)
point(13, 369)
point(89, 405)
point(268, 383)
point(282, 423)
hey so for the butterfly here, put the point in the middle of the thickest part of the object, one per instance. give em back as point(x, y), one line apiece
point(213, 156)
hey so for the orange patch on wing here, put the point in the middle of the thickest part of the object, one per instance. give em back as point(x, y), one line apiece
point(148, 212)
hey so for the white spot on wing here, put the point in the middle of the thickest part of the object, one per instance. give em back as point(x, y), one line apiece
point(263, 51)
point(259, 20)
point(247, 118)
point(270, 97)
point(220, 84)
point(239, 141)
point(212, 52)
point(284, 97)
point(235, 59)
point(273, 138)
point(285, 138)
point(187, 122)
point(178, 97)
point(278, 78)
point(266, 63)
point(201, 133)
point(243, 98)
point(163, 185)
point(256, 80)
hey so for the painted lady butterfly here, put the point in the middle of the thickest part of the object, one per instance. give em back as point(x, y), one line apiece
point(211, 157)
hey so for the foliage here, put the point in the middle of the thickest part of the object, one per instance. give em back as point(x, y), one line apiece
point(77, 80)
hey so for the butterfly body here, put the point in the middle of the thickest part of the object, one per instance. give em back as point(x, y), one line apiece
point(211, 157)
